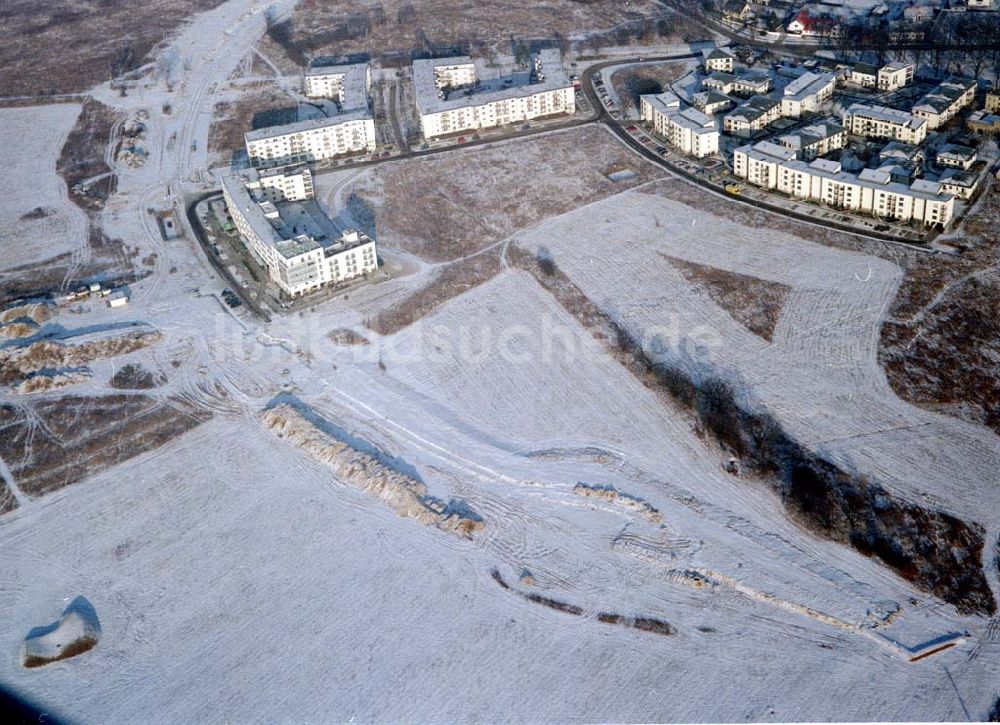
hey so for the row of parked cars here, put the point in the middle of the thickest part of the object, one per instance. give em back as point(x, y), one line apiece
point(646, 139)
point(231, 299)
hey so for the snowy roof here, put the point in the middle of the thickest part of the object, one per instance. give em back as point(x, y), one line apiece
point(956, 151)
point(808, 84)
point(716, 54)
point(253, 211)
point(355, 82)
point(957, 177)
point(883, 113)
point(358, 114)
point(548, 61)
point(665, 102)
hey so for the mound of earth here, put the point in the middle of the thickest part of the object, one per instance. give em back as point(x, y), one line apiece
point(75, 632)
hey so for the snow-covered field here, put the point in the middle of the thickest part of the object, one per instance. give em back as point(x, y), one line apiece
point(30, 141)
point(237, 579)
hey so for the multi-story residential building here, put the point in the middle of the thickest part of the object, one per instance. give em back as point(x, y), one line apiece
point(984, 122)
point(992, 101)
point(945, 101)
point(899, 151)
point(712, 102)
point(746, 84)
point(816, 139)
point(956, 156)
point(348, 128)
point(895, 75)
point(960, 183)
point(289, 235)
point(823, 180)
point(759, 164)
point(864, 75)
point(455, 95)
point(312, 140)
point(348, 85)
point(882, 122)
point(752, 115)
point(687, 129)
point(807, 94)
point(718, 59)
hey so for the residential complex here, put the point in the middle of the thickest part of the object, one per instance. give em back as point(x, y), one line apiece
point(748, 83)
point(816, 139)
point(945, 101)
point(312, 140)
point(348, 85)
point(288, 234)
point(807, 93)
point(872, 191)
point(688, 130)
point(895, 75)
point(457, 94)
point(718, 59)
point(347, 128)
point(752, 115)
point(882, 122)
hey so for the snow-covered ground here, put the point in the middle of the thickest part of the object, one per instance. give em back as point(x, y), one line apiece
point(30, 141)
point(237, 579)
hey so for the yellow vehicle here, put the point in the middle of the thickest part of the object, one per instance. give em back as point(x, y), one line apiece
point(734, 188)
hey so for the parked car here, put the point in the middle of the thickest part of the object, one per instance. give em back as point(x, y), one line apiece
point(631, 129)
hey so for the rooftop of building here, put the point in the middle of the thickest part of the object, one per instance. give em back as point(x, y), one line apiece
point(957, 151)
point(292, 228)
point(355, 82)
point(957, 177)
point(358, 114)
point(884, 113)
point(808, 84)
point(545, 74)
point(665, 102)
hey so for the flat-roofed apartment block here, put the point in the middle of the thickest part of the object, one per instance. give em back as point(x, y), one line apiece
point(992, 101)
point(872, 191)
point(944, 102)
point(288, 234)
point(807, 94)
point(895, 75)
point(752, 115)
point(719, 59)
point(687, 129)
point(458, 94)
point(957, 156)
point(350, 130)
point(349, 85)
point(816, 139)
point(882, 122)
point(748, 83)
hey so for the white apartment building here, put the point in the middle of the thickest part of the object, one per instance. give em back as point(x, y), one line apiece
point(864, 75)
point(895, 75)
point(759, 164)
point(688, 130)
point(807, 94)
point(312, 140)
point(872, 191)
point(956, 156)
point(712, 102)
point(456, 94)
point(945, 101)
point(745, 84)
point(960, 183)
point(992, 101)
point(348, 85)
point(816, 139)
point(300, 251)
point(718, 59)
point(752, 115)
point(882, 122)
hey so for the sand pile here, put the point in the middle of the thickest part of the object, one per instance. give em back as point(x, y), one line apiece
point(407, 496)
